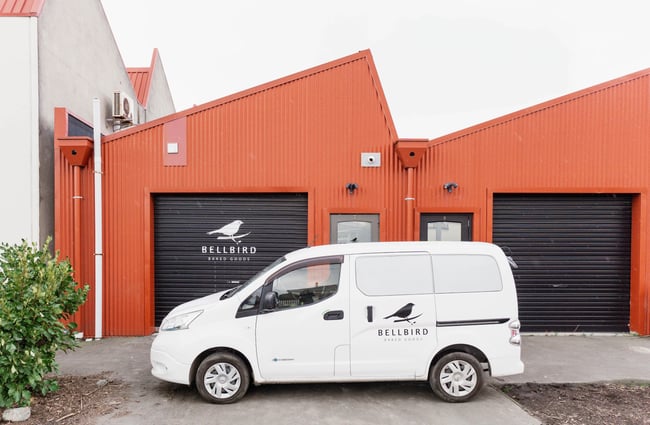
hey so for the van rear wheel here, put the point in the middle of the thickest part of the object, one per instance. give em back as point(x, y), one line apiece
point(456, 377)
point(222, 378)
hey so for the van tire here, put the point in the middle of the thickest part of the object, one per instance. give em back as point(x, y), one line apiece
point(456, 377)
point(222, 378)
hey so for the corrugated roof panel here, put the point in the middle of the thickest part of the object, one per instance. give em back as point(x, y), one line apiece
point(21, 7)
point(140, 80)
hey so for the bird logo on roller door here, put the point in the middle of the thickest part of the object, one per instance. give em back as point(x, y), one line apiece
point(229, 231)
point(229, 252)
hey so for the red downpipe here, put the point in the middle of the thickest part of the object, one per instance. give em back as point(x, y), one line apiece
point(410, 204)
point(76, 203)
point(76, 237)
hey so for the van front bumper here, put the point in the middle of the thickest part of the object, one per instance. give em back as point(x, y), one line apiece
point(164, 365)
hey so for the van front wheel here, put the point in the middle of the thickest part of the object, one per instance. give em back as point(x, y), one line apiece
point(456, 377)
point(222, 378)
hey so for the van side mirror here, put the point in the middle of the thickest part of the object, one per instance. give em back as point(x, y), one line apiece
point(270, 301)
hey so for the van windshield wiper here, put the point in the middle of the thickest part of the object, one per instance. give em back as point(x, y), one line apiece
point(229, 293)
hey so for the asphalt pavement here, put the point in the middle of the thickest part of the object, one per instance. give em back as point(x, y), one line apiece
point(548, 359)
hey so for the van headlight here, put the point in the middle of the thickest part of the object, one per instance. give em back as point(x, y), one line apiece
point(180, 321)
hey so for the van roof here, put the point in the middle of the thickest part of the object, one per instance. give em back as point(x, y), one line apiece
point(395, 247)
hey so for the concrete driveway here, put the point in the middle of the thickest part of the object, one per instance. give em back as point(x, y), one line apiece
point(547, 358)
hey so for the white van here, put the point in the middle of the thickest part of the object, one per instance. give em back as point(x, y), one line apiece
point(445, 312)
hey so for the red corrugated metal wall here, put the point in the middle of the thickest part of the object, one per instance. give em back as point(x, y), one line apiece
point(305, 133)
point(65, 238)
point(594, 141)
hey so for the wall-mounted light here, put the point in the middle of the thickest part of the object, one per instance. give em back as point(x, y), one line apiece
point(351, 187)
point(450, 186)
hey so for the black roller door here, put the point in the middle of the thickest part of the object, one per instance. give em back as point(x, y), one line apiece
point(573, 253)
point(205, 243)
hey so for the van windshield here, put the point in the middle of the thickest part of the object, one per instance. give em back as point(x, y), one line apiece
point(236, 289)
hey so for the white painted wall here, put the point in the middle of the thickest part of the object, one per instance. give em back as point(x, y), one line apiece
point(19, 144)
point(63, 58)
point(78, 61)
point(160, 98)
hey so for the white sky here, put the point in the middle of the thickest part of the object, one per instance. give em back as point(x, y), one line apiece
point(444, 65)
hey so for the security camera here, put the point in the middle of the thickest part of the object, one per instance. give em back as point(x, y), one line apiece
point(371, 159)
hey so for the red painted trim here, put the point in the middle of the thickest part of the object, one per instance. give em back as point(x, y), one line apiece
point(639, 278)
point(410, 151)
point(149, 319)
point(230, 189)
point(76, 150)
point(60, 130)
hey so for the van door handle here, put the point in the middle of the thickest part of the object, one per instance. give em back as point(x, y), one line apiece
point(333, 315)
point(369, 313)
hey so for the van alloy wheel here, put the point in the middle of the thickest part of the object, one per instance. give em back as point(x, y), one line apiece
point(456, 377)
point(222, 378)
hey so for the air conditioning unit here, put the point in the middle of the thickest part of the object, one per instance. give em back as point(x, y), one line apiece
point(123, 106)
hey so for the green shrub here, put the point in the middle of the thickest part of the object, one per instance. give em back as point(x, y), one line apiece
point(38, 295)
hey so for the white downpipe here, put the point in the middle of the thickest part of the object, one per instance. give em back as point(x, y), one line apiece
point(99, 264)
point(34, 132)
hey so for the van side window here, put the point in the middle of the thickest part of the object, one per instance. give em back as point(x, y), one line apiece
point(408, 274)
point(466, 273)
point(306, 285)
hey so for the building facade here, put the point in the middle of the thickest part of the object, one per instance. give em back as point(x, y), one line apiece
point(58, 53)
point(198, 201)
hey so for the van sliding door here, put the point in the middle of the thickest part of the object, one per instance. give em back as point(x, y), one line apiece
point(392, 315)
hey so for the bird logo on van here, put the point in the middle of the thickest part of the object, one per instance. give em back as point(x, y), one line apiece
point(404, 314)
point(229, 231)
